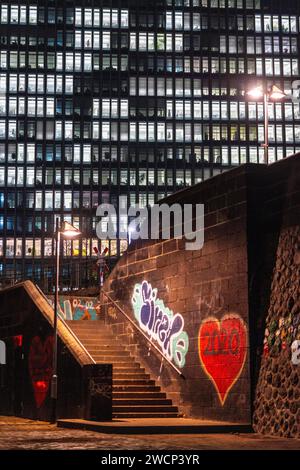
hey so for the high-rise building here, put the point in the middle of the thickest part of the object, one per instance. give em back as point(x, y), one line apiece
point(101, 98)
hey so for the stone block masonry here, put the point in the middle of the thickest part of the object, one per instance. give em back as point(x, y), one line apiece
point(232, 309)
point(207, 292)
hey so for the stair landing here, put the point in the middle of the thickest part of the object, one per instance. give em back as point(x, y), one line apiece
point(156, 426)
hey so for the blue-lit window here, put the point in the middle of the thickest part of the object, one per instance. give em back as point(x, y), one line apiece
point(51, 16)
point(10, 223)
point(58, 106)
point(49, 153)
point(59, 40)
point(58, 153)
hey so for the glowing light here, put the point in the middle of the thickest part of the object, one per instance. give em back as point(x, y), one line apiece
point(69, 231)
point(256, 93)
point(276, 93)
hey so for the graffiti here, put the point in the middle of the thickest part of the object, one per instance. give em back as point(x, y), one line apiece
point(213, 302)
point(18, 341)
point(222, 351)
point(296, 352)
point(112, 313)
point(72, 308)
point(129, 331)
point(2, 353)
point(100, 389)
point(160, 323)
point(40, 367)
point(280, 334)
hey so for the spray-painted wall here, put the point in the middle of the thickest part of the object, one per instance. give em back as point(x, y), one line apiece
point(78, 308)
point(228, 315)
point(193, 305)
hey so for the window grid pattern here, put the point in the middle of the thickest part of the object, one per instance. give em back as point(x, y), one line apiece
point(106, 98)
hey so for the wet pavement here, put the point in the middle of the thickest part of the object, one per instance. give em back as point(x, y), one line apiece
point(22, 434)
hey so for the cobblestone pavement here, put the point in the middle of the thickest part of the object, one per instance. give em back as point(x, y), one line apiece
point(20, 434)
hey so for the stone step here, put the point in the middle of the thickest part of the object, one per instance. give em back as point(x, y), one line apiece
point(137, 374)
point(139, 395)
point(128, 369)
point(133, 379)
point(134, 415)
point(130, 402)
point(144, 408)
point(93, 330)
point(86, 327)
point(136, 382)
point(135, 388)
point(122, 367)
point(84, 323)
point(107, 352)
point(96, 337)
point(102, 344)
point(113, 360)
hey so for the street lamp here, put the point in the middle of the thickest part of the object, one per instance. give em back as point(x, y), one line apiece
point(68, 231)
point(274, 94)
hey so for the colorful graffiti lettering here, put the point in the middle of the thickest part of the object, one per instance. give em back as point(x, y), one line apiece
point(222, 351)
point(160, 323)
point(296, 352)
point(280, 334)
point(78, 308)
point(40, 367)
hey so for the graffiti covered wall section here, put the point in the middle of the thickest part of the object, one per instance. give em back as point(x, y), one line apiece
point(193, 306)
point(222, 343)
point(78, 308)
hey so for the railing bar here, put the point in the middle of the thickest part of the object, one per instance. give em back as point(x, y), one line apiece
point(142, 333)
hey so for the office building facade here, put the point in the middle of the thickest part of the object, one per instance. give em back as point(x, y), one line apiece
point(102, 98)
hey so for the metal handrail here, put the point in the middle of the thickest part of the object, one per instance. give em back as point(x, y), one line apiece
point(68, 328)
point(142, 333)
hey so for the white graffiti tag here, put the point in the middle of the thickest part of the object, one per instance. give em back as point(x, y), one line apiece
point(160, 323)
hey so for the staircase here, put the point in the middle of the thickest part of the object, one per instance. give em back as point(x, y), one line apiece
point(135, 395)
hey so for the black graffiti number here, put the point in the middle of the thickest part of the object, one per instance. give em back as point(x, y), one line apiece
point(222, 343)
point(216, 343)
point(234, 342)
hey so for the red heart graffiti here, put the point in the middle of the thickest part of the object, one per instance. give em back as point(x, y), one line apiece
point(222, 351)
point(40, 367)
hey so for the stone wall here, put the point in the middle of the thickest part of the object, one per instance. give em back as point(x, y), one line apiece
point(277, 403)
point(275, 300)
